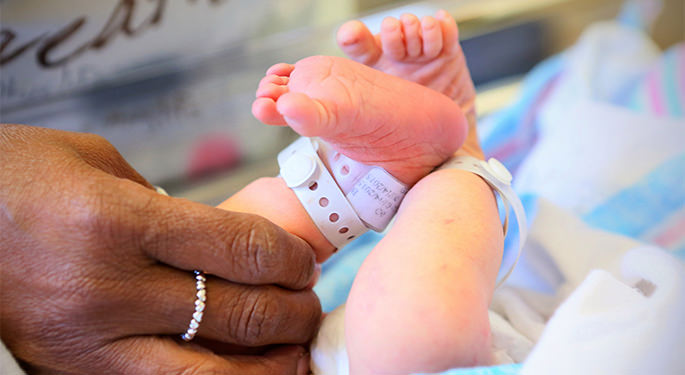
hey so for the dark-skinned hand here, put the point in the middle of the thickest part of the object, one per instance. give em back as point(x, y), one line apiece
point(96, 270)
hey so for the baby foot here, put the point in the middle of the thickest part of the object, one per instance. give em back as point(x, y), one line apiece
point(369, 116)
point(425, 51)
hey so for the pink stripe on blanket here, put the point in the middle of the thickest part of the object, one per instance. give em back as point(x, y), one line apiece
point(672, 235)
point(654, 91)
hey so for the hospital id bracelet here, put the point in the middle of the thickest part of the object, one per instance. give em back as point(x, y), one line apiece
point(374, 193)
point(499, 178)
point(305, 173)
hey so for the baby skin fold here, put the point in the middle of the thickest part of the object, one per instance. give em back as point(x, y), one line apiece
point(419, 302)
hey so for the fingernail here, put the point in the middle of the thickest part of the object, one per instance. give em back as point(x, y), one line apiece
point(303, 364)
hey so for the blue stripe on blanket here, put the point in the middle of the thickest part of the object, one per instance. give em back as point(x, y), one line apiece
point(644, 205)
point(680, 253)
point(506, 131)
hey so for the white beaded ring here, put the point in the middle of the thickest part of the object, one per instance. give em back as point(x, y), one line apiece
point(200, 301)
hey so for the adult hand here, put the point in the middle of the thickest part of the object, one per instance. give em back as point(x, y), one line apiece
point(96, 269)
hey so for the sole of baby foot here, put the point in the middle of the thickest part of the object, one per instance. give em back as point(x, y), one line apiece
point(367, 115)
point(425, 51)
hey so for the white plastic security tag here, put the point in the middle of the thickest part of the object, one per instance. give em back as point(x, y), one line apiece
point(304, 172)
point(499, 178)
point(373, 192)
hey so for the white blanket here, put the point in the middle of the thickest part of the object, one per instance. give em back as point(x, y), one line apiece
point(622, 306)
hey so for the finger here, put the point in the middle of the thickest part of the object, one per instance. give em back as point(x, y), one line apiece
point(412, 38)
point(161, 356)
point(231, 313)
point(238, 247)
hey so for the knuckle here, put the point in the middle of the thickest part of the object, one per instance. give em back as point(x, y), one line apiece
point(258, 251)
point(86, 212)
point(252, 318)
point(97, 214)
point(268, 255)
point(96, 142)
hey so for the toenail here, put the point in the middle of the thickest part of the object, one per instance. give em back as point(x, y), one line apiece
point(408, 19)
point(390, 24)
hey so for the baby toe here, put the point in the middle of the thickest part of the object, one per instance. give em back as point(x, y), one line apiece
point(392, 39)
point(272, 86)
point(357, 42)
point(271, 91)
point(264, 109)
point(450, 33)
point(412, 36)
point(432, 37)
point(274, 79)
point(281, 69)
point(307, 116)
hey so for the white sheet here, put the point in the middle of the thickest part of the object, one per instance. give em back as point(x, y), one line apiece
point(622, 310)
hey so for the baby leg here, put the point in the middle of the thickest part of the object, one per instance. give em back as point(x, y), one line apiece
point(419, 301)
point(425, 51)
point(369, 116)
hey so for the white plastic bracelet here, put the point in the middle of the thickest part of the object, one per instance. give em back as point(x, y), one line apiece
point(498, 177)
point(305, 173)
point(373, 192)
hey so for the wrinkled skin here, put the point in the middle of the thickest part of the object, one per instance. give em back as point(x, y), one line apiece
point(96, 270)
